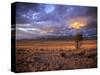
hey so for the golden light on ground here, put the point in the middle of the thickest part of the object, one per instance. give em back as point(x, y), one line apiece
point(77, 23)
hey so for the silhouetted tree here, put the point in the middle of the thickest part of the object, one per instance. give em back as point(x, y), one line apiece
point(78, 38)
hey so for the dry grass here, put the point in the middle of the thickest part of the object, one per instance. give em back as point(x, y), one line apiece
point(55, 55)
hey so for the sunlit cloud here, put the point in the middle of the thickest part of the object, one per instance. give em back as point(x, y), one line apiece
point(78, 23)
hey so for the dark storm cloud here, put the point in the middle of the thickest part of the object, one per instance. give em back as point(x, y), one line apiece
point(53, 19)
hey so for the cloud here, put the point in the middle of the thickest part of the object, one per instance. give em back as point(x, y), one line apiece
point(34, 19)
point(28, 29)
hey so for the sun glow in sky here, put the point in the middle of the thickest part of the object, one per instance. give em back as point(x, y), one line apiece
point(78, 23)
point(35, 20)
point(75, 25)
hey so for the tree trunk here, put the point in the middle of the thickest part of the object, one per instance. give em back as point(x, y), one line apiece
point(77, 45)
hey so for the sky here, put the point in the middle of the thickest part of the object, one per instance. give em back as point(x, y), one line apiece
point(35, 20)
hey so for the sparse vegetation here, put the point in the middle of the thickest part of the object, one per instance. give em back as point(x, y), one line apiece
point(46, 57)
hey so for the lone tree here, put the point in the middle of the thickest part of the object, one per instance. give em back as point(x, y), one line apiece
point(78, 24)
point(78, 38)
